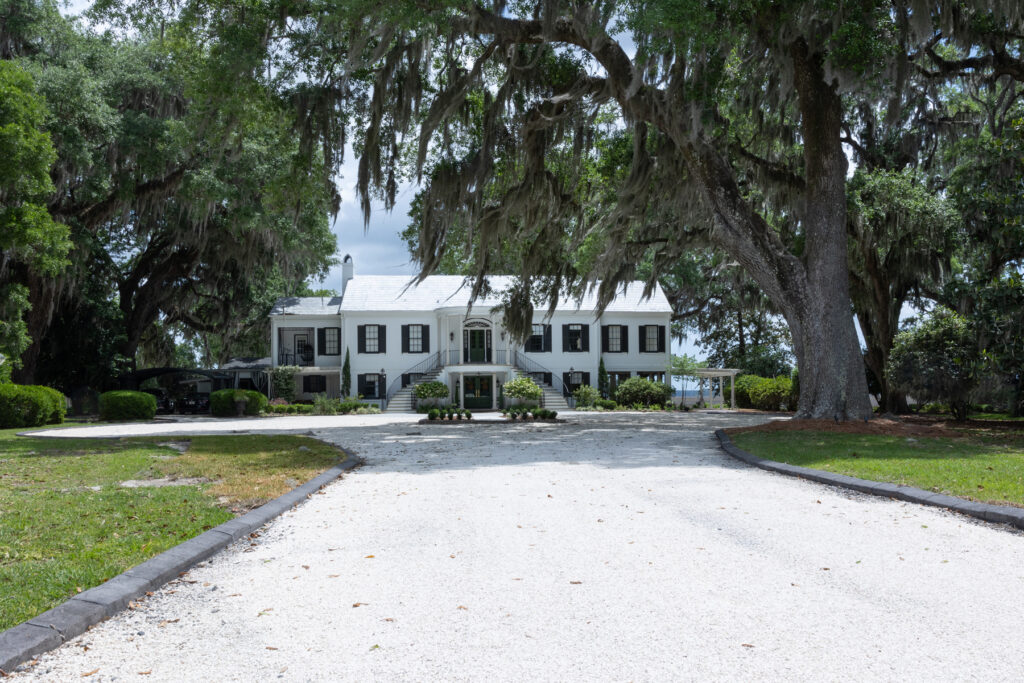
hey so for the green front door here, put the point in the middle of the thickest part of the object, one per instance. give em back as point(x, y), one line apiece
point(478, 392)
point(477, 346)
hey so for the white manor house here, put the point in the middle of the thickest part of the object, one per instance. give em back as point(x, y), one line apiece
point(399, 335)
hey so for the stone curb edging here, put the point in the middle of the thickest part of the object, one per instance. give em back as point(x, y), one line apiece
point(54, 627)
point(999, 514)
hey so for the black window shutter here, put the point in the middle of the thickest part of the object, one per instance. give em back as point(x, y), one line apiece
point(405, 339)
point(642, 338)
point(604, 339)
point(586, 378)
point(361, 334)
point(586, 337)
point(566, 377)
point(382, 332)
point(661, 338)
point(547, 338)
point(321, 340)
point(624, 338)
point(425, 336)
point(305, 384)
point(565, 337)
point(361, 384)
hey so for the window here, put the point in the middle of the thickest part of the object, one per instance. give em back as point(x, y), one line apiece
point(575, 338)
point(372, 339)
point(576, 378)
point(369, 385)
point(652, 338)
point(540, 339)
point(329, 340)
point(314, 384)
point(614, 339)
point(415, 338)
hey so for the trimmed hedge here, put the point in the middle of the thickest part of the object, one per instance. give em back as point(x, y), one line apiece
point(765, 393)
point(640, 390)
point(432, 389)
point(30, 406)
point(127, 405)
point(222, 402)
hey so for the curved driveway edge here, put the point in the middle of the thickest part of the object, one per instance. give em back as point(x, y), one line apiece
point(72, 618)
point(999, 514)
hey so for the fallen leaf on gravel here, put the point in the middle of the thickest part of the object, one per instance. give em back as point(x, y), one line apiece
point(234, 595)
point(167, 621)
point(305, 566)
point(575, 583)
point(452, 556)
point(462, 607)
point(824, 569)
point(368, 557)
point(270, 647)
point(388, 619)
point(747, 645)
point(262, 612)
point(132, 605)
point(333, 576)
point(550, 496)
point(205, 584)
point(89, 673)
point(145, 673)
point(359, 604)
point(375, 647)
point(150, 593)
point(600, 520)
point(283, 669)
point(818, 502)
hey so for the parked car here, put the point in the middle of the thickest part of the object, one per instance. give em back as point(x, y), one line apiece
point(164, 402)
point(194, 404)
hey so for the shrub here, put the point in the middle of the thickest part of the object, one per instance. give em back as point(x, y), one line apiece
point(643, 392)
point(523, 388)
point(586, 396)
point(433, 414)
point(744, 383)
point(606, 404)
point(469, 415)
point(30, 406)
point(771, 394)
point(282, 378)
point(432, 389)
point(322, 405)
point(222, 402)
point(127, 405)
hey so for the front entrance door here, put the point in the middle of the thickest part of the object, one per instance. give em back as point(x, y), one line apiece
point(478, 346)
point(479, 394)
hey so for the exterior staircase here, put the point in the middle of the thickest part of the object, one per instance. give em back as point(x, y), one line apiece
point(553, 399)
point(402, 402)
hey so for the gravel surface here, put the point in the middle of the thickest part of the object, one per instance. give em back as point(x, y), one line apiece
point(615, 547)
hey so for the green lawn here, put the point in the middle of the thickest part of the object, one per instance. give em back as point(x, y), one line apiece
point(66, 524)
point(983, 468)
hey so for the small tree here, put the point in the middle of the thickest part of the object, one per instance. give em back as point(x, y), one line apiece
point(937, 360)
point(346, 377)
point(282, 379)
point(602, 379)
point(524, 389)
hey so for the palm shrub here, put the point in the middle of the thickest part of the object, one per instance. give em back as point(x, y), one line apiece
point(127, 405)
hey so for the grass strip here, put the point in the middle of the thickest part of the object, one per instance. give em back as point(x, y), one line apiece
point(987, 469)
point(67, 523)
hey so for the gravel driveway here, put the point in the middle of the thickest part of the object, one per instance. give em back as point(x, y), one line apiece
point(618, 547)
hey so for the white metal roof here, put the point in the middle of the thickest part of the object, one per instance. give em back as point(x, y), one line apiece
point(307, 305)
point(393, 293)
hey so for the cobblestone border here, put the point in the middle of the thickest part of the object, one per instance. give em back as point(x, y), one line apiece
point(72, 618)
point(999, 514)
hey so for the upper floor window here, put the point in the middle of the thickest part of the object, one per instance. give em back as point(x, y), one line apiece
point(329, 340)
point(575, 337)
point(540, 339)
point(652, 338)
point(415, 338)
point(372, 339)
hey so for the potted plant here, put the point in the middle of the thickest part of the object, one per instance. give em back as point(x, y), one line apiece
point(241, 401)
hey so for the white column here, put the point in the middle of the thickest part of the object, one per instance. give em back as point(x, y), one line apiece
point(732, 390)
point(462, 390)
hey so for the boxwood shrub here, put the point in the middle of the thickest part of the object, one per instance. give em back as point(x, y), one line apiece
point(30, 406)
point(127, 405)
point(222, 402)
point(643, 391)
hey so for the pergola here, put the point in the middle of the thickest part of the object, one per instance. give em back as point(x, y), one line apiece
point(720, 374)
